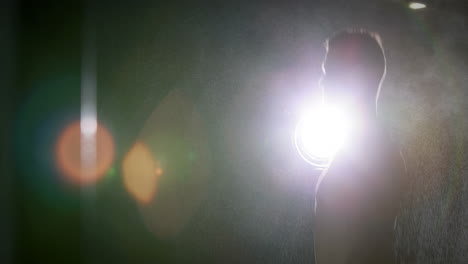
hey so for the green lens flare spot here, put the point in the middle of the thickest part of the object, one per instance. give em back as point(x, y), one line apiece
point(111, 172)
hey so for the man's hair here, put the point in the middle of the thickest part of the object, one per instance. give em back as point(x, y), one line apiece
point(363, 49)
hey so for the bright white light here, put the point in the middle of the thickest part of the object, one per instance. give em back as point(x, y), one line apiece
point(88, 125)
point(321, 132)
point(416, 5)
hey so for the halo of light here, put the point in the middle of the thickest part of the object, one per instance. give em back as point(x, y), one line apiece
point(69, 154)
point(320, 133)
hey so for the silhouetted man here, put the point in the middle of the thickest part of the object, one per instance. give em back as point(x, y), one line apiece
point(358, 196)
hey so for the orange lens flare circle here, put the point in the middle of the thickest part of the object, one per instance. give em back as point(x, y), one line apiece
point(84, 159)
point(141, 172)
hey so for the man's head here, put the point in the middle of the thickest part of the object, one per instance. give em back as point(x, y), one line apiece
point(354, 67)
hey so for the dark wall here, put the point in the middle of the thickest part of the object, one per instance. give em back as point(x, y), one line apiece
point(244, 67)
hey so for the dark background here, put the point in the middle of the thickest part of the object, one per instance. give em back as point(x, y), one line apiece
point(244, 67)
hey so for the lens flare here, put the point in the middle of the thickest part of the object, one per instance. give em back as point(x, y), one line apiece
point(166, 172)
point(141, 173)
point(82, 158)
point(320, 133)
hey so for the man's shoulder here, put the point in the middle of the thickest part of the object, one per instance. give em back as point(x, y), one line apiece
point(373, 153)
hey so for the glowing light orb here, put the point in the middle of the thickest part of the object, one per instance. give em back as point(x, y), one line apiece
point(416, 5)
point(320, 133)
point(82, 158)
point(141, 173)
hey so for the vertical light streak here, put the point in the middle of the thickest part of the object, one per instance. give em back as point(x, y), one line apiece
point(88, 122)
